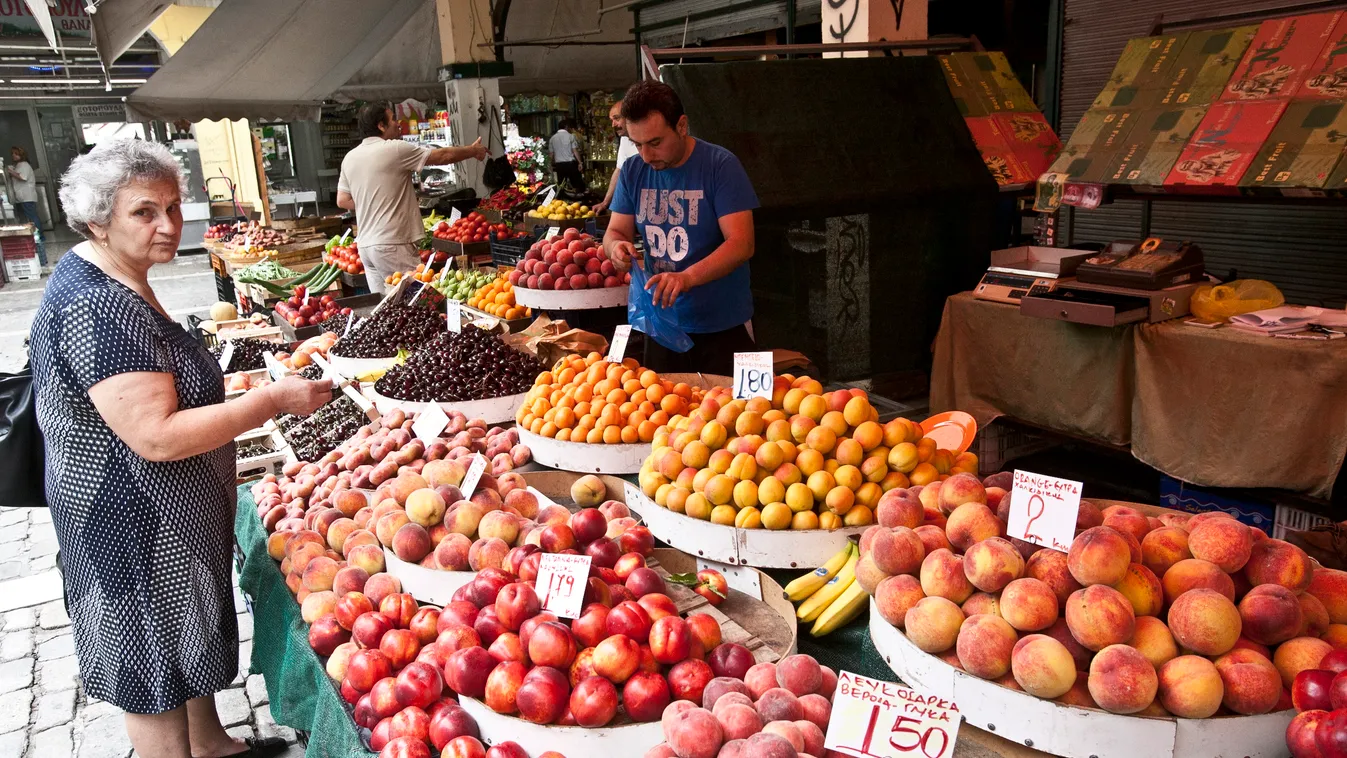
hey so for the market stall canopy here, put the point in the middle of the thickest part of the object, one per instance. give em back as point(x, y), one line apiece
point(119, 23)
point(552, 70)
point(263, 59)
point(408, 66)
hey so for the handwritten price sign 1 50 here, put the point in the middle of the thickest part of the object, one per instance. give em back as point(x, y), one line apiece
point(933, 742)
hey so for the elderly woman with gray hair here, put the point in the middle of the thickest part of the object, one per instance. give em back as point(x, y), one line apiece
point(140, 460)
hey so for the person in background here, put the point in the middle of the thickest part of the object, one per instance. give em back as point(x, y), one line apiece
point(140, 473)
point(565, 152)
point(25, 197)
point(625, 150)
point(692, 203)
point(376, 183)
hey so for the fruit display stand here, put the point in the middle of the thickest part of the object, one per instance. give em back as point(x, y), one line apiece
point(762, 548)
point(266, 463)
point(1071, 731)
point(302, 695)
point(493, 410)
point(571, 300)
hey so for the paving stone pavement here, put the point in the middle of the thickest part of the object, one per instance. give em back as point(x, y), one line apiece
point(44, 711)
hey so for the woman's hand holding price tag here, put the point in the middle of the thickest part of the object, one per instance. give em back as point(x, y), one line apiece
point(874, 719)
point(753, 375)
point(562, 581)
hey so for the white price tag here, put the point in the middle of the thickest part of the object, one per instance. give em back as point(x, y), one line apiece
point(307, 293)
point(430, 423)
point(474, 475)
point(562, 581)
point(551, 195)
point(753, 375)
point(226, 355)
point(553, 231)
point(617, 349)
point(874, 719)
point(274, 367)
point(350, 321)
point(455, 316)
point(1043, 510)
point(455, 215)
point(742, 578)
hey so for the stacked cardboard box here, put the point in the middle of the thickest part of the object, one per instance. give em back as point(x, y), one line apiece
point(1015, 140)
point(1218, 158)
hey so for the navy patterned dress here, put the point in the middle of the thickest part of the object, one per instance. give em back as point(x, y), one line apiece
point(145, 546)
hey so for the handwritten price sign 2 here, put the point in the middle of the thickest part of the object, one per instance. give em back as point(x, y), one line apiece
point(1043, 510)
point(874, 719)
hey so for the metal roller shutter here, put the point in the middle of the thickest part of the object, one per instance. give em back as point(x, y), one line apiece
point(1300, 248)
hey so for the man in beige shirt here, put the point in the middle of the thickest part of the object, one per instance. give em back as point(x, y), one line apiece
point(376, 183)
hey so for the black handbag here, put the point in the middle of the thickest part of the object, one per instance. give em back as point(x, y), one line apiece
point(498, 171)
point(22, 454)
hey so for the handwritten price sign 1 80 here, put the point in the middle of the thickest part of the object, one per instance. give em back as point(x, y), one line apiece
point(874, 719)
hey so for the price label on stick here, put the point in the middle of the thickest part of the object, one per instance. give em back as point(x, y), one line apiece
point(1043, 510)
point(455, 215)
point(874, 719)
point(617, 349)
point(561, 583)
point(553, 231)
point(430, 423)
point(274, 368)
point(470, 479)
point(350, 320)
point(455, 316)
point(226, 355)
point(551, 195)
point(753, 375)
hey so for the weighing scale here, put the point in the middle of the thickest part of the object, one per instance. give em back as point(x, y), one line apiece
point(1028, 270)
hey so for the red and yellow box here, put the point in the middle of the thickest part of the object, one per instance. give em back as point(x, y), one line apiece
point(1327, 78)
point(1278, 60)
point(1223, 146)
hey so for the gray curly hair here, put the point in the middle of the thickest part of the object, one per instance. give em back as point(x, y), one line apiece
point(89, 187)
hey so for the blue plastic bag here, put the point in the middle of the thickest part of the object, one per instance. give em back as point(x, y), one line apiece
point(652, 320)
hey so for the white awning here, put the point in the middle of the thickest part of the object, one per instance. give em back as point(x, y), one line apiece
point(119, 23)
point(273, 59)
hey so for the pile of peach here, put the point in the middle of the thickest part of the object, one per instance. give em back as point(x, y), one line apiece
point(802, 460)
point(1190, 616)
point(780, 710)
point(594, 401)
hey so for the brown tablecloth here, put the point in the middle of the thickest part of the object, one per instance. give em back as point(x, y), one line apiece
point(1226, 408)
point(990, 361)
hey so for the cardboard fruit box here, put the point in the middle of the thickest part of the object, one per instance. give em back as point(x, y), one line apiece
point(1327, 78)
point(1225, 143)
point(984, 83)
point(1281, 54)
point(1302, 151)
point(1004, 166)
point(1030, 138)
point(1089, 153)
point(1204, 65)
point(1144, 158)
point(1141, 70)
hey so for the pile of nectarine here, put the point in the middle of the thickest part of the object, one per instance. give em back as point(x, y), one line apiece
point(803, 460)
point(592, 400)
point(780, 710)
point(1189, 616)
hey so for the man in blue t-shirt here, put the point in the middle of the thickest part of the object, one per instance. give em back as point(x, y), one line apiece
point(692, 204)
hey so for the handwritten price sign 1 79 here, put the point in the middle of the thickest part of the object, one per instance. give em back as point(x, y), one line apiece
point(874, 719)
point(562, 581)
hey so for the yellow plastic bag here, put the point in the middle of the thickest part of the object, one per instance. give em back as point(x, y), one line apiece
point(1222, 301)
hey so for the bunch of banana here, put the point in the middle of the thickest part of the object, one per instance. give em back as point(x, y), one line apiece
point(829, 596)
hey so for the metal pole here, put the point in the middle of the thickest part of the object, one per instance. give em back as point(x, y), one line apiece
point(1145, 219)
point(636, 33)
point(790, 26)
point(1052, 72)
